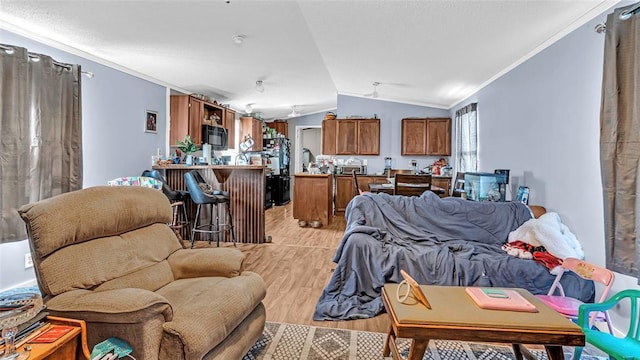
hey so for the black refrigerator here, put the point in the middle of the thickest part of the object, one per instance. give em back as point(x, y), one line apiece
point(280, 148)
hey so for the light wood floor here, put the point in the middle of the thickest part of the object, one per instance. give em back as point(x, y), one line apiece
point(296, 266)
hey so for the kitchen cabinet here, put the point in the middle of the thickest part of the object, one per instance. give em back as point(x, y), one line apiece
point(329, 137)
point(346, 137)
point(443, 182)
point(230, 124)
point(280, 126)
point(439, 137)
point(368, 137)
point(426, 137)
point(251, 126)
point(351, 137)
point(188, 114)
point(186, 118)
point(312, 199)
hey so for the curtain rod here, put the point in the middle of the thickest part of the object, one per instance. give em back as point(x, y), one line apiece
point(600, 28)
point(36, 58)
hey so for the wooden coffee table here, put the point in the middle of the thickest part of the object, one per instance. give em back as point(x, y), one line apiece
point(455, 316)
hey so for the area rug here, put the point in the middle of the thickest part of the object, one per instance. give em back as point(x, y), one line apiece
point(292, 342)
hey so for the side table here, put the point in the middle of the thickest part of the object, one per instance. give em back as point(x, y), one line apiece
point(72, 345)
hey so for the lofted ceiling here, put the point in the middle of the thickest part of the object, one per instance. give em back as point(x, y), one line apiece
point(432, 53)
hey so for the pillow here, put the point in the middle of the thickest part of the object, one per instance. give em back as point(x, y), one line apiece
point(206, 188)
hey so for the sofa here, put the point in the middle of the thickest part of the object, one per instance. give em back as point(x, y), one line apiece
point(106, 255)
point(438, 241)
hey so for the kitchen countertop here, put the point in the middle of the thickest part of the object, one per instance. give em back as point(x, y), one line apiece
point(311, 175)
point(374, 175)
point(223, 167)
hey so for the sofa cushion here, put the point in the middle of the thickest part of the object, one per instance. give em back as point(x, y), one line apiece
point(197, 306)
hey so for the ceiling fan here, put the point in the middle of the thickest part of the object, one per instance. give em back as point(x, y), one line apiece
point(373, 94)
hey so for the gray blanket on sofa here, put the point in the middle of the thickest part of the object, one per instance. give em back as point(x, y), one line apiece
point(446, 241)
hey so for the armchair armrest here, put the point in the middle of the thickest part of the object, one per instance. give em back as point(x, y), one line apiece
point(123, 306)
point(190, 263)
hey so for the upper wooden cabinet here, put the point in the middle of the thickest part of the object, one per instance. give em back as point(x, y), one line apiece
point(351, 137)
point(329, 137)
point(369, 137)
point(280, 126)
point(230, 124)
point(251, 126)
point(426, 136)
point(188, 114)
point(346, 137)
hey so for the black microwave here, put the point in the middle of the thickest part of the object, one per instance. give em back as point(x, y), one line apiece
point(216, 136)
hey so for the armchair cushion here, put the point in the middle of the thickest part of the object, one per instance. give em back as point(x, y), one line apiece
point(191, 332)
point(123, 306)
point(190, 263)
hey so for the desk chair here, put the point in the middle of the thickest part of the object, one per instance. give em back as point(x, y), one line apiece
point(411, 185)
point(356, 188)
point(177, 199)
point(568, 306)
point(202, 195)
point(625, 348)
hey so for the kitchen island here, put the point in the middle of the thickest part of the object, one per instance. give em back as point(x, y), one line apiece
point(313, 197)
point(246, 187)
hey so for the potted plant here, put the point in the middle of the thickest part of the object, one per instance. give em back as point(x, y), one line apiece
point(187, 147)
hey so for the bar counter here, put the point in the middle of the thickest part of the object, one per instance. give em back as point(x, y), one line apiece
point(246, 187)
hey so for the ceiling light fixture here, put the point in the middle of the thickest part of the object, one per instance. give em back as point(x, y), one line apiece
point(238, 39)
point(293, 112)
point(374, 94)
point(259, 86)
point(248, 109)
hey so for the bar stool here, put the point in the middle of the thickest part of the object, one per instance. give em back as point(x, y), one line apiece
point(177, 199)
point(200, 195)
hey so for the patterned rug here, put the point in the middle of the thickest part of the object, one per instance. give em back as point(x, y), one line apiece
point(291, 342)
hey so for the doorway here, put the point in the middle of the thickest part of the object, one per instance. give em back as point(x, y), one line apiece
point(308, 145)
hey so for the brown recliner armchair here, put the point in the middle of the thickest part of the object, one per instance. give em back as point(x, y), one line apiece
point(107, 256)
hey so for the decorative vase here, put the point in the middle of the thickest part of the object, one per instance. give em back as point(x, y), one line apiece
point(189, 160)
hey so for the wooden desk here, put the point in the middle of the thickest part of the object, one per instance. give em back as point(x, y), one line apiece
point(388, 188)
point(72, 345)
point(455, 316)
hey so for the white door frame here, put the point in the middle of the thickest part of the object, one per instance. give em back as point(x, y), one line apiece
point(299, 128)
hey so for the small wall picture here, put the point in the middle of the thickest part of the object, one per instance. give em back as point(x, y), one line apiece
point(523, 194)
point(151, 122)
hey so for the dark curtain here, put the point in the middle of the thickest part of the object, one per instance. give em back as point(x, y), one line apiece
point(41, 133)
point(620, 142)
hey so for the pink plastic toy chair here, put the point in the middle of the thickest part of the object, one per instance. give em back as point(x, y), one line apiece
point(568, 306)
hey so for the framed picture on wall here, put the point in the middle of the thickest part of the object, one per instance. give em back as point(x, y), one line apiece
point(523, 194)
point(151, 122)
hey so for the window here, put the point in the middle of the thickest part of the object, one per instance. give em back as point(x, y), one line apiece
point(466, 135)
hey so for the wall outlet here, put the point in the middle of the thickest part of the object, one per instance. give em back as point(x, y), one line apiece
point(28, 261)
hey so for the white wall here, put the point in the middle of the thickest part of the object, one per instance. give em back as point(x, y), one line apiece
point(114, 142)
point(542, 121)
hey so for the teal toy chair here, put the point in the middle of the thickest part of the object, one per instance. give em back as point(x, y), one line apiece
point(626, 348)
